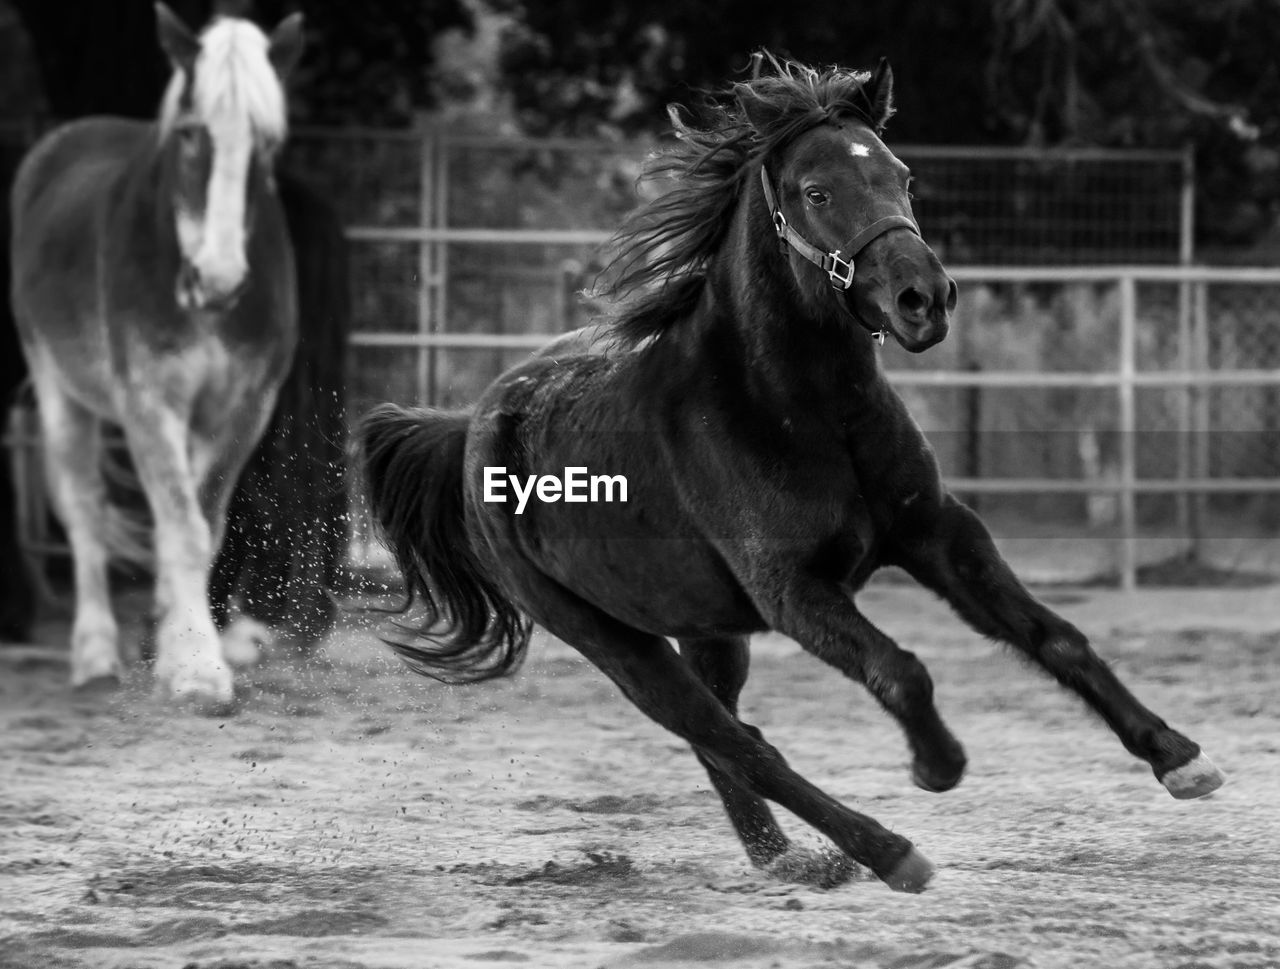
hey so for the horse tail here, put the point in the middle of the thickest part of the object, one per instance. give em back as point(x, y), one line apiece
point(413, 469)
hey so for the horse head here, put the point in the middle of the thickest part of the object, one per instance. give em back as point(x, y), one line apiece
point(839, 199)
point(223, 122)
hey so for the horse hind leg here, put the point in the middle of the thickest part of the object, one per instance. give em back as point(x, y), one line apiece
point(72, 438)
point(189, 660)
point(658, 681)
point(217, 465)
point(722, 665)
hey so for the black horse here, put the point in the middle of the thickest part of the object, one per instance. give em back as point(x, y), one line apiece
point(771, 468)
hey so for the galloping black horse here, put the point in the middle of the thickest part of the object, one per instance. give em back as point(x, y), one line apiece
point(771, 468)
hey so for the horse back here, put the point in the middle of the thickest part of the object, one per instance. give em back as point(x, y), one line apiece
point(59, 201)
point(71, 170)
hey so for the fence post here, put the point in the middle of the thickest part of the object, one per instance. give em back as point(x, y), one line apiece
point(1188, 506)
point(428, 276)
point(1128, 435)
point(441, 253)
point(1201, 399)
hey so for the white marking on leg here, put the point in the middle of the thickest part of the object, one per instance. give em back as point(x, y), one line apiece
point(244, 640)
point(72, 446)
point(189, 660)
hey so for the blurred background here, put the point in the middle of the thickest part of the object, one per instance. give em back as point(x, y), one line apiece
point(1101, 176)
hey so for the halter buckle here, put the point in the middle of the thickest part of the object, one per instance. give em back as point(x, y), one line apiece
point(780, 224)
point(839, 271)
point(878, 336)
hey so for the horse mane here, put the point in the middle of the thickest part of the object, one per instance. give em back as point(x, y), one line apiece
point(232, 76)
point(667, 244)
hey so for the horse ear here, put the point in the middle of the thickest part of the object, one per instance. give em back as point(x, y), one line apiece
point(176, 39)
point(879, 89)
point(286, 44)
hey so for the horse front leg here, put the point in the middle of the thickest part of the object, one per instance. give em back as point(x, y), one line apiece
point(189, 661)
point(950, 551)
point(821, 617)
point(72, 439)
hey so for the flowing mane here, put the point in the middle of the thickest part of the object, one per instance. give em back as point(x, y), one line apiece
point(668, 243)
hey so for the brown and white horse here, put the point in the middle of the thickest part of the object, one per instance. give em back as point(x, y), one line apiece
point(153, 288)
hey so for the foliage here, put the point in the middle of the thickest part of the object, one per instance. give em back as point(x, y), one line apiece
point(1117, 73)
point(366, 62)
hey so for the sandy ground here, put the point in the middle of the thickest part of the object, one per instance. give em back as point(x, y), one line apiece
point(350, 815)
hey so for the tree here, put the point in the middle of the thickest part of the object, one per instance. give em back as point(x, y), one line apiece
point(367, 62)
point(1113, 73)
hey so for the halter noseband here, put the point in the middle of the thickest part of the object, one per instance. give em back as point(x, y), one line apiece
point(839, 270)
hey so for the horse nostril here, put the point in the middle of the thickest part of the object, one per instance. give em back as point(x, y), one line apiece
point(913, 303)
point(953, 293)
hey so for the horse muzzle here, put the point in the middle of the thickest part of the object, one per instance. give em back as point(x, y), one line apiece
point(196, 293)
point(923, 316)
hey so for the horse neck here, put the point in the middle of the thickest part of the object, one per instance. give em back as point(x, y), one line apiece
point(145, 204)
point(793, 350)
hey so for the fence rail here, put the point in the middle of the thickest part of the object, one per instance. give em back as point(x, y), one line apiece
point(1153, 330)
point(1135, 383)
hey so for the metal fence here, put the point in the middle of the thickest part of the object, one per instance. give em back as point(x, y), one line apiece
point(1127, 400)
point(1143, 400)
point(1139, 398)
point(467, 245)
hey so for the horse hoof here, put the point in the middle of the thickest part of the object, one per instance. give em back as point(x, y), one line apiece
point(94, 671)
point(103, 684)
point(208, 692)
point(1196, 778)
point(934, 781)
point(911, 874)
point(244, 640)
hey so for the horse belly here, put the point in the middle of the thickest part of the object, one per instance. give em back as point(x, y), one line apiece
point(642, 560)
point(661, 583)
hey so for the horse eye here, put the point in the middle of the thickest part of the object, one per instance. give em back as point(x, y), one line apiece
point(816, 197)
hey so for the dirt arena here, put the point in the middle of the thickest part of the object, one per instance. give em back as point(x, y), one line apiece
point(351, 815)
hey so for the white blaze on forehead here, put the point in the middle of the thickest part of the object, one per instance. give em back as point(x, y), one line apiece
point(236, 94)
point(858, 150)
point(234, 83)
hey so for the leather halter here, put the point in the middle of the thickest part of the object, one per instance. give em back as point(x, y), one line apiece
point(839, 270)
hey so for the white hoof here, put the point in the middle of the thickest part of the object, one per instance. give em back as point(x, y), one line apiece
point(95, 659)
point(209, 682)
point(911, 874)
point(244, 640)
point(1196, 778)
